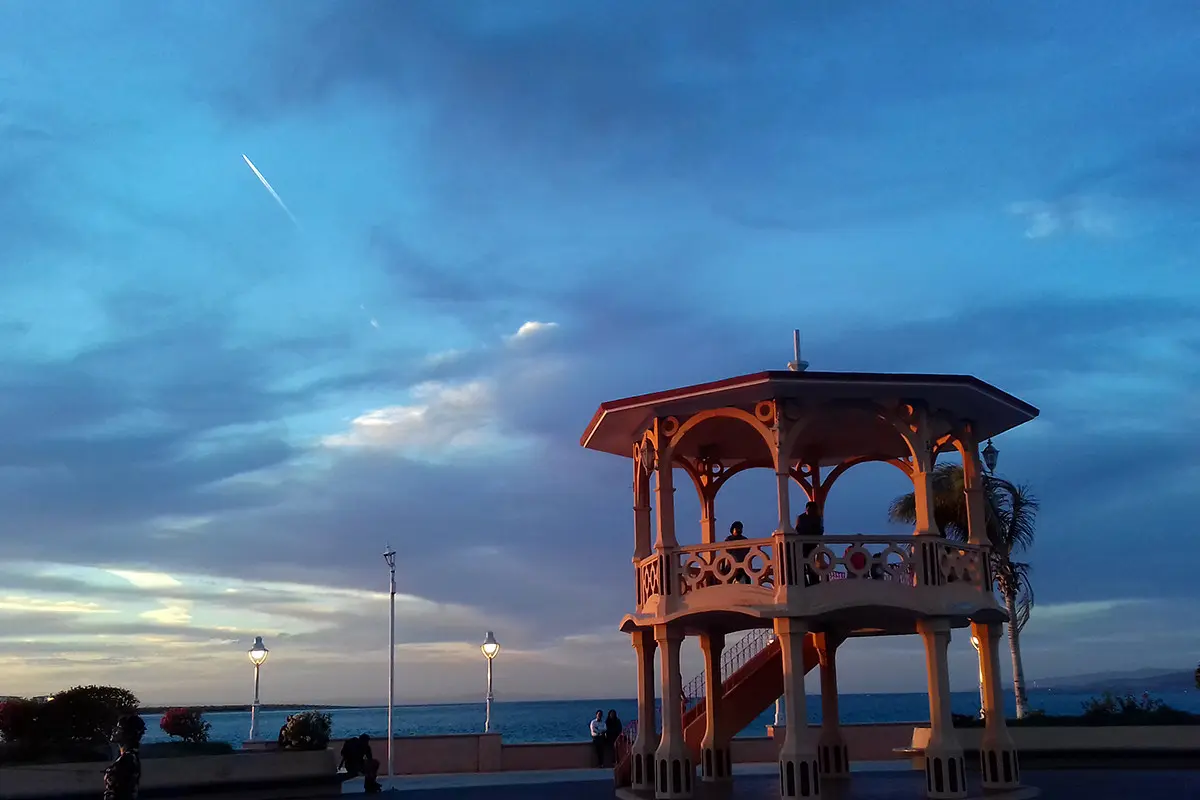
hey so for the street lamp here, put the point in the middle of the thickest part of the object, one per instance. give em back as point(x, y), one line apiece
point(975, 644)
point(490, 648)
point(389, 556)
point(258, 656)
point(990, 454)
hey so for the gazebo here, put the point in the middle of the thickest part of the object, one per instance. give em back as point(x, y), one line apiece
point(811, 592)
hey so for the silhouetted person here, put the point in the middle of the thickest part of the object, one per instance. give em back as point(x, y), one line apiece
point(123, 776)
point(599, 737)
point(738, 554)
point(612, 732)
point(356, 758)
point(810, 524)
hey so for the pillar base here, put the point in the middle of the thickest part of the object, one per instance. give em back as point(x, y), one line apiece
point(716, 764)
point(833, 755)
point(799, 774)
point(674, 772)
point(945, 771)
point(641, 770)
point(998, 765)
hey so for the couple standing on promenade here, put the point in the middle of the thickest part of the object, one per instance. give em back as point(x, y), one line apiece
point(604, 736)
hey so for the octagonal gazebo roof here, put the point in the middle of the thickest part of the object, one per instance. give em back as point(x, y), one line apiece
point(845, 429)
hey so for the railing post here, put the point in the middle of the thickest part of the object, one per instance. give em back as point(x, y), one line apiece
point(789, 566)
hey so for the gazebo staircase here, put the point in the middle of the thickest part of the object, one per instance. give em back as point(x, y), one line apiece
point(753, 667)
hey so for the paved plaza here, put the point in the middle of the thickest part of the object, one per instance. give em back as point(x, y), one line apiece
point(759, 783)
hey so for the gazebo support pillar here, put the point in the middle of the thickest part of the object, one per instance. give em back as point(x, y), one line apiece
point(642, 753)
point(832, 752)
point(716, 762)
point(799, 774)
point(945, 767)
point(997, 752)
point(673, 769)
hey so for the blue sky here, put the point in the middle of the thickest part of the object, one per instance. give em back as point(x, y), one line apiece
point(214, 419)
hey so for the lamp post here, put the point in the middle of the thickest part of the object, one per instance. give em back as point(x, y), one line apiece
point(258, 655)
point(990, 455)
point(490, 648)
point(975, 644)
point(389, 556)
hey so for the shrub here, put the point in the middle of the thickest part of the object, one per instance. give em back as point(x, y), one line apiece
point(1110, 705)
point(185, 724)
point(308, 730)
point(18, 719)
point(185, 749)
point(84, 714)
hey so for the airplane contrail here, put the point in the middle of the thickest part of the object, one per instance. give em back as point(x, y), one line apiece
point(271, 189)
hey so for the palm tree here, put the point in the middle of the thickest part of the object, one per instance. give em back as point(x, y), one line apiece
point(1010, 511)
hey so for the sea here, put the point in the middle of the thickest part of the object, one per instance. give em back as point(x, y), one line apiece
point(567, 720)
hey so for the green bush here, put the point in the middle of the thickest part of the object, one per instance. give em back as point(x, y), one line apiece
point(185, 749)
point(18, 719)
point(84, 714)
point(308, 730)
point(1106, 709)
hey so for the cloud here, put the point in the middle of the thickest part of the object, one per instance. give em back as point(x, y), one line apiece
point(531, 329)
point(1069, 215)
point(441, 418)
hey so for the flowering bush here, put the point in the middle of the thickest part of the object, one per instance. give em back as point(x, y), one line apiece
point(186, 724)
point(308, 730)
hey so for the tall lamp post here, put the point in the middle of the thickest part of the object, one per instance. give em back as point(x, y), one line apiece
point(258, 656)
point(975, 644)
point(490, 648)
point(389, 555)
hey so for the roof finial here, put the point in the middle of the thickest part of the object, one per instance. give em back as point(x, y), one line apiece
point(796, 365)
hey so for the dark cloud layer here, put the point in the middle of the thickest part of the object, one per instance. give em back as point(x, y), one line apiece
point(676, 188)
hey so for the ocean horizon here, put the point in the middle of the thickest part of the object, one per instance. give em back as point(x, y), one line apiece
point(535, 721)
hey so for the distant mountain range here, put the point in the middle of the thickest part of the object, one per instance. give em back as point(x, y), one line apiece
point(1148, 679)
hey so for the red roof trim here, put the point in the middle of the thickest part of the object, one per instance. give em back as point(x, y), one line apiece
point(742, 381)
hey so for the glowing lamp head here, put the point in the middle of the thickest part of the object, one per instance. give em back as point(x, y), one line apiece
point(490, 646)
point(975, 642)
point(258, 652)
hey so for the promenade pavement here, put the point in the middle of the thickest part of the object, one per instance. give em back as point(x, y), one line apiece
point(758, 782)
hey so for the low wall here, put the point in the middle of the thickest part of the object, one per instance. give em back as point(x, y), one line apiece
point(485, 752)
point(280, 776)
point(1123, 738)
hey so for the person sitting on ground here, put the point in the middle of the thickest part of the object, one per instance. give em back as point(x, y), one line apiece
point(599, 737)
point(738, 554)
point(123, 776)
point(810, 524)
point(356, 758)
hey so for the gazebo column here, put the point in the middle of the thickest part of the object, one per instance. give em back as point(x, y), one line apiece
point(799, 775)
point(673, 769)
point(997, 752)
point(642, 753)
point(945, 768)
point(831, 746)
point(708, 517)
point(716, 763)
point(973, 488)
